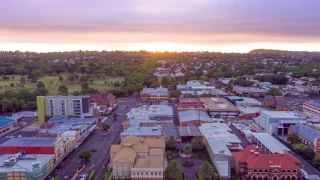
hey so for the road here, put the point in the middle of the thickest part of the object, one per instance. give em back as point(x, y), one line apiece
point(100, 143)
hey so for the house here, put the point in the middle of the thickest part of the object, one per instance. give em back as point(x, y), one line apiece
point(309, 136)
point(138, 158)
point(255, 165)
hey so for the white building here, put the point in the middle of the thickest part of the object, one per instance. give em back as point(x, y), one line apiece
point(312, 109)
point(160, 113)
point(278, 122)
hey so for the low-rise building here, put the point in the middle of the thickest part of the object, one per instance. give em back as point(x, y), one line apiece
point(188, 132)
point(138, 158)
point(220, 107)
point(312, 109)
point(7, 124)
point(268, 144)
point(278, 122)
point(254, 164)
point(248, 107)
point(195, 85)
point(163, 114)
point(191, 104)
point(250, 91)
point(193, 117)
point(282, 105)
point(309, 136)
point(154, 94)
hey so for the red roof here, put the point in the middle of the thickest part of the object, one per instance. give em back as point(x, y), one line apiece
point(264, 161)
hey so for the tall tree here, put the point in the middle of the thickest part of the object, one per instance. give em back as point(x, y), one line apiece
point(84, 155)
point(197, 143)
point(23, 80)
point(293, 138)
point(173, 170)
point(187, 150)
point(40, 85)
point(171, 143)
point(63, 90)
point(26, 95)
point(207, 170)
point(60, 79)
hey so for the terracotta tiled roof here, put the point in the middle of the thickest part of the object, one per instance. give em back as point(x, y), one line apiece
point(264, 161)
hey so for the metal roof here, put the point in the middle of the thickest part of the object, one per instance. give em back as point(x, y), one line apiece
point(269, 98)
point(191, 115)
point(314, 103)
point(272, 144)
point(34, 142)
point(4, 121)
point(306, 131)
point(189, 131)
point(282, 103)
point(223, 168)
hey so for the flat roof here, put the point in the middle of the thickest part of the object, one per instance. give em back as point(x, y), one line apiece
point(218, 104)
point(4, 121)
point(65, 97)
point(191, 115)
point(189, 100)
point(272, 144)
point(212, 128)
point(35, 142)
point(248, 109)
point(223, 168)
point(218, 147)
point(281, 114)
point(25, 165)
point(189, 131)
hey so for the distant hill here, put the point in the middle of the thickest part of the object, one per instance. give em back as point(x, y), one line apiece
point(273, 51)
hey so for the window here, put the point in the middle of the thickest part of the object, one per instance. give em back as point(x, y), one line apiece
point(137, 173)
point(152, 174)
point(146, 173)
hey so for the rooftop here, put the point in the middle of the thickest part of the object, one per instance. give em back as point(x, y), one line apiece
point(190, 115)
point(25, 165)
point(149, 163)
point(269, 98)
point(306, 131)
point(314, 103)
point(214, 128)
point(218, 104)
point(65, 97)
point(156, 91)
point(35, 142)
point(189, 131)
point(196, 100)
point(4, 121)
point(223, 168)
point(69, 133)
point(281, 114)
point(272, 144)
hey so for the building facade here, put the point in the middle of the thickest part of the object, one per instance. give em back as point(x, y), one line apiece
point(309, 136)
point(154, 94)
point(312, 109)
point(76, 106)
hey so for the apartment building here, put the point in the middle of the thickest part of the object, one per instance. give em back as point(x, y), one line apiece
point(312, 109)
point(78, 106)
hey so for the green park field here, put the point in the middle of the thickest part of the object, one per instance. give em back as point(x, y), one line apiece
point(52, 83)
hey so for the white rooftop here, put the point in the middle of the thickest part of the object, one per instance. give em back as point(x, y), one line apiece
point(69, 133)
point(270, 142)
point(281, 114)
point(214, 128)
point(25, 164)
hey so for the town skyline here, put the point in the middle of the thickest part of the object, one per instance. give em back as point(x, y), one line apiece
point(202, 25)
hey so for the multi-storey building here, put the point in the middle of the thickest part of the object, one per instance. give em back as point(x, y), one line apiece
point(154, 94)
point(312, 109)
point(309, 136)
point(138, 158)
point(256, 165)
point(77, 106)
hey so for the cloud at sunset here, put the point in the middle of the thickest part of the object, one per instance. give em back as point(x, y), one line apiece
point(135, 24)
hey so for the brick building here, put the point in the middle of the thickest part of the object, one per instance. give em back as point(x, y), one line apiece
point(190, 104)
point(309, 136)
point(103, 99)
point(255, 165)
point(269, 102)
point(282, 105)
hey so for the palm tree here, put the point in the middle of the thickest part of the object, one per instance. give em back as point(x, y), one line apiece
point(197, 143)
point(171, 143)
point(187, 149)
point(207, 170)
point(173, 170)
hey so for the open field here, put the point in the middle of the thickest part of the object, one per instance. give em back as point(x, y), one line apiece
point(52, 83)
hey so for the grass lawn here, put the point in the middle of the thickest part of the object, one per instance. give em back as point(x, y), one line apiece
point(52, 83)
point(108, 79)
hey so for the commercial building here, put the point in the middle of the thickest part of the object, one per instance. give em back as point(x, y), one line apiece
point(218, 140)
point(188, 132)
point(21, 166)
point(78, 106)
point(278, 122)
point(150, 129)
point(255, 165)
point(154, 94)
point(312, 109)
point(193, 117)
point(138, 158)
point(268, 144)
point(33, 146)
point(103, 99)
point(191, 104)
point(249, 91)
point(248, 107)
point(309, 136)
point(6, 125)
point(163, 114)
point(194, 85)
point(220, 107)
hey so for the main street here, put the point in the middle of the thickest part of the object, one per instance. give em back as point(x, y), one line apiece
point(100, 143)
